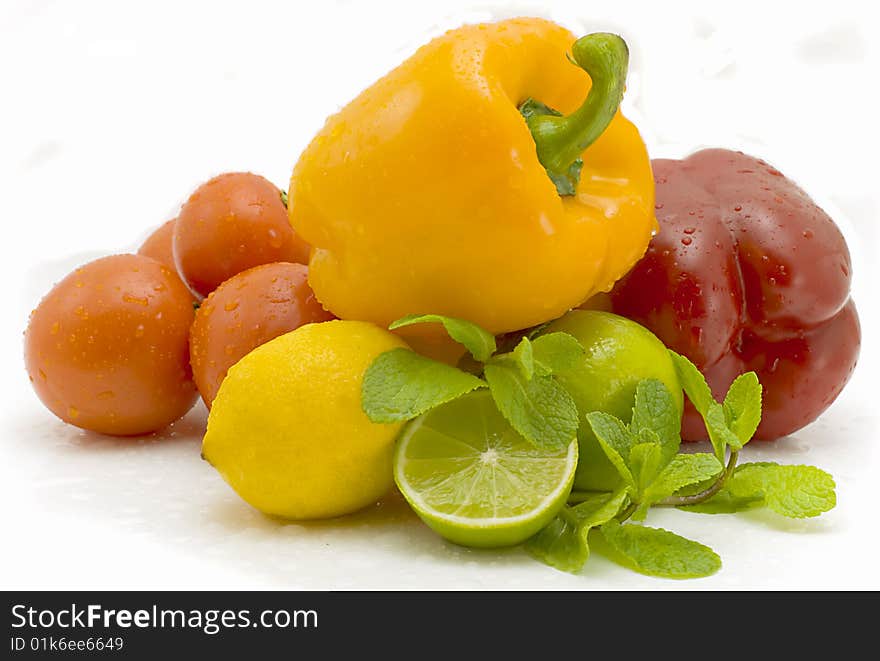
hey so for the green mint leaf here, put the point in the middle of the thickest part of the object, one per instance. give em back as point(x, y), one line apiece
point(519, 358)
point(655, 410)
point(563, 542)
point(524, 359)
point(683, 471)
point(559, 544)
point(598, 508)
point(693, 382)
point(732, 423)
point(401, 384)
point(480, 342)
point(645, 464)
point(616, 441)
point(556, 352)
point(647, 436)
point(794, 491)
point(540, 409)
point(742, 406)
point(696, 487)
point(724, 502)
point(719, 432)
point(657, 552)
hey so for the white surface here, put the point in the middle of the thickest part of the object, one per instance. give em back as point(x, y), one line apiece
point(112, 113)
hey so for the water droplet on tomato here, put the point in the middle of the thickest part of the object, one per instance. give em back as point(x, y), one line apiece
point(274, 239)
point(128, 298)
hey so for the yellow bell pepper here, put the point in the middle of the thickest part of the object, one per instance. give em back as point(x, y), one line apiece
point(429, 192)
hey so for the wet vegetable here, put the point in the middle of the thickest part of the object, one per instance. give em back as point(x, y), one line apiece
point(106, 349)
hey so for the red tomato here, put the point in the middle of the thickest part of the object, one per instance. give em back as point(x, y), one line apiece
point(106, 349)
point(229, 224)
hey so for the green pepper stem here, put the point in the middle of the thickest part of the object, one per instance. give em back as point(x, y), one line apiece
point(561, 140)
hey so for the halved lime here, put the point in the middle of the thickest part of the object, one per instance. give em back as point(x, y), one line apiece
point(475, 480)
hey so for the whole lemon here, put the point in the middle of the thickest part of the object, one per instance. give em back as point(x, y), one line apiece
point(287, 431)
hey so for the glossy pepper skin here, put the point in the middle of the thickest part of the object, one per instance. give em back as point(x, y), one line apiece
point(425, 193)
point(747, 273)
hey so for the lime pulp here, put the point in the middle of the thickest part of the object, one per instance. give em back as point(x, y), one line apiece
point(473, 479)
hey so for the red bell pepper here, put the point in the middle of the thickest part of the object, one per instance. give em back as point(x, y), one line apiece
point(747, 273)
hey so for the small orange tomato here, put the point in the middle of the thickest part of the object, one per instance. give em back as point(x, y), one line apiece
point(229, 224)
point(248, 310)
point(106, 349)
point(158, 245)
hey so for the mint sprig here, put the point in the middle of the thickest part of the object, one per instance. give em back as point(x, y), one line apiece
point(796, 492)
point(742, 407)
point(730, 423)
point(653, 472)
point(682, 471)
point(563, 542)
point(642, 449)
point(401, 385)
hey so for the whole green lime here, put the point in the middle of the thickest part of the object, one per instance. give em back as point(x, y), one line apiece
point(618, 354)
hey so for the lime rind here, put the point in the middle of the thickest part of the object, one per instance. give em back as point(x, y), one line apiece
point(474, 480)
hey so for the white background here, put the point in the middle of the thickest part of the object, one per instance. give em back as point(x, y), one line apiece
point(111, 113)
